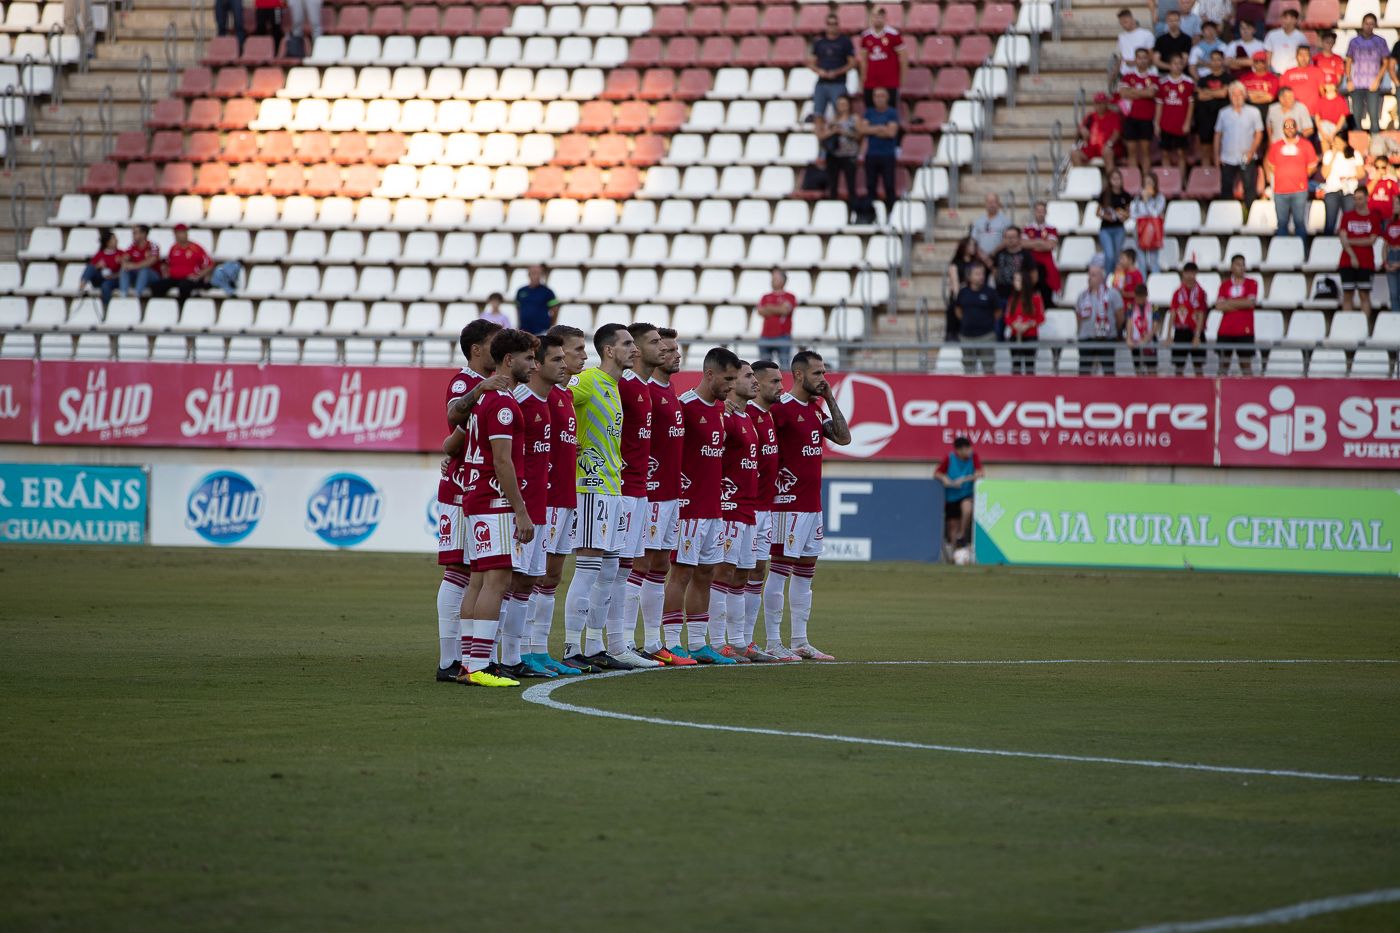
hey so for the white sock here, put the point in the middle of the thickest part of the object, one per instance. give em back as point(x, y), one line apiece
point(719, 611)
point(735, 621)
point(753, 599)
point(449, 611)
point(586, 570)
point(599, 602)
point(483, 642)
point(696, 628)
point(513, 644)
point(541, 618)
point(801, 603)
point(653, 593)
point(617, 628)
point(773, 603)
point(631, 603)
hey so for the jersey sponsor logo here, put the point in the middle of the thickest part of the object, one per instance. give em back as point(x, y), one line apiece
point(785, 481)
point(592, 463)
point(237, 414)
point(345, 510)
point(224, 507)
point(481, 534)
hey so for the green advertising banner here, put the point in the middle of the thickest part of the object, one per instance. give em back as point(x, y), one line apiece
point(1192, 527)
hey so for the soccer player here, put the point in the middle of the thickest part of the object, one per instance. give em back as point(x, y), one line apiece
point(563, 496)
point(701, 546)
point(519, 654)
point(598, 522)
point(801, 424)
point(663, 494)
point(768, 382)
point(497, 517)
point(463, 391)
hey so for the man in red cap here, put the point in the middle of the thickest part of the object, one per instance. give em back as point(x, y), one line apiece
point(1099, 134)
point(187, 266)
point(1260, 84)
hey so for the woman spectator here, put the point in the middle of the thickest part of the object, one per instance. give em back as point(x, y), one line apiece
point(1113, 211)
point(104, 268)
point(1025, 312)
point(1382, 188)
point(840, 140)
point(958, 274)
point(1148, 210)
point(1341, 167)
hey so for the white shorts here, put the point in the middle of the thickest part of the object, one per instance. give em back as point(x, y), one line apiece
point(598, 522)
point(451, 534)
point(701, 542)
point(797, 534)
point(634, 526)
point(492, 541)
point(763, 534)
point(663, 525)
point(529, 559)
point(558, 530)
point(738, 543)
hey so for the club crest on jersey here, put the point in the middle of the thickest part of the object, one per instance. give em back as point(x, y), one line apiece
point(729, 488)
point(459, 386)
point(652, 466)
point(786, 479)
point(505, 416)
point(685, 482)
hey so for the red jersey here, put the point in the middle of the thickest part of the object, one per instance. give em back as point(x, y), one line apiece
point(882, 57)
point(109, 259)
point(1141, 108)
point(798, 487)
point(1357, 227)
point(1049, 271)
point(1238, 323)
point(185, 261)
point(702, 459)
point(1332, 109)
point(1187, 302)
point(1331, 66)
point(1306, 83)
point(1175, 95)
point(563, 450)
point(1254, 81)
point(667, 440)
point(534, 470)
point(1382, 196)
point(451, 486)
point(779, 325)
point(1290, 160)
point(767, 456)
point(1017, 313)
point(135, 254)
point(636, 434)
point(495, 416)
point(1127, 282)
point(1391, 234)
point(739, 488)
point(1102, 127)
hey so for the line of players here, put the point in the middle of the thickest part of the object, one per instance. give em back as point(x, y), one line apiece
point(674, 507)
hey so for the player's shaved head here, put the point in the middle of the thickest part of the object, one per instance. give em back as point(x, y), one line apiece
point(477, 333)
point(768, 377)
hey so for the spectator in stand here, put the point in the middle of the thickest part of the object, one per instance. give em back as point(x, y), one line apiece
point(1126, 275)
point(228, 19)
point(1367, 64)
point(493, 313)
point(1251, 12)
point(1043, 241)
point(1198, 60)
point(978, 309)
point(879, 125)
point(1008, 261)
point(1261, 85)
point(1100, 134)
point(883, 59)
point(1025, 312)
point(1212, 92)
point(536, 303)
point(1304, 78)
point(1148, 212)
point(832, 57)
point(1220, 12)
point(1238, 134)
point(965, 256)
point(1139, 88)
point(958, 473)
point(1358, 231)
point(1238, 295)
point(1290, 163)
point(1381, 188)
point(1172, 123)
point(140, 263)
point(1191, 23)
point(1130, 39)
point(268, 20)
point(1331, 64)
point(1100, 313)
point(1188, 315)
point(1241, 60)
point(188, 267)
point(1287, 107)
point(840, 141)
point(1342, 170)
point(1283, 43)
point(1113, 211)
point(1390, 232)
point(775, 308)
point(1330, 114)
point(306, 18)
point(1170, 43)
point(104, 268)
point(989, 229)
point(1140, 330)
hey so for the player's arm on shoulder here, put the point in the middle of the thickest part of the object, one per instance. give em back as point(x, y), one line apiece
point(506, 478)
point(460, 408)
point(454, 443)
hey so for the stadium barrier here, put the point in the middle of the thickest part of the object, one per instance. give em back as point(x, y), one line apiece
point(68, 504)
point(1256, 528)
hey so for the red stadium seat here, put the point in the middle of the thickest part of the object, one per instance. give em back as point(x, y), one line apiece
point(694, 84)
point(239, 147)
point(915, 150)
point(168, 114)
point(490, 20)
point(717, 52)
point(1132, 179)
point(202, 147)
point(811, 19)
point(623, 182)
point(753, 51)
point(669, 116)
point(930, 114)
point(1322, 14)
point(584, 183)
point(130, 147)
point(622, 84)
point(175, 178)
point(248, 179)
point(139, 178)
point(351, 148)
point(237, 113)
point(777, 21)
point(286, 180)
point(854, 17)
point(460, 21)
point(741, 21)
point(258, 50)
point(1168, 182)
point(231, 82)
point(387, 21)
point(596, 116)
point(546, 182)
point(669, 21)
point(572, 149)
point(657, 84)
point(359, 181)
point(788, 51)
point(1203, 184)
point(936, 52)
point(204, 114)
point(353, 20)
point(951, 84)
point(959, 19)
point(167, 146)
point(644, 52)
point(422, 21)
point(323, 181)
point(266, 82)
point(681, 52)
point(275, 147)
point(212, 178)
point(997, 18)
point(610, 149)
point(647, 150)
point(924, 18)
point(973, 50)
point(313, 147)
point(388, 148)
point(222, 50)
point(196, 81)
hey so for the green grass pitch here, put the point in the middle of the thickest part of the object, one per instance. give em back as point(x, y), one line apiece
point(244, 740)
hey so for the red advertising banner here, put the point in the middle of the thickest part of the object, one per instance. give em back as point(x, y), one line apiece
point(16, 401)
point(1339, 423)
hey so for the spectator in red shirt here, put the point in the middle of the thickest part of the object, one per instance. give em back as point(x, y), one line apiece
point(1238, 295)
point(1139, 88)
point(1139, 331)
point(1261, 85)
point(1358, 230)
point(775, 308)
point(103, 268)
point(1381, 188)
point(1176, 103)
point(883, 58)
point(1291, 161)
point(187, 266)
point(1188, 311)
point(1332, 65)
point(1025, 312)
point(1305, 78)
point(139, 263)
point(1100, 134)
point(1391, 234)
point(1330, 112)
point(1043, 241)
point(1126, 275)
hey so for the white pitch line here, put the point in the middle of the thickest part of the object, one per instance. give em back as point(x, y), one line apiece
point(542, 694)
point(1290, 914)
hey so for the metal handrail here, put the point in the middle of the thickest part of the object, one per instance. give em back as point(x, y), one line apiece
point(143, 84)
point(1011, 204)
point(1032, 180)
point(48, 177)
point(984, 94)
point(197, 20)
point(1057, 10)
point(19, 220)
point(172, 59)
point(1059, 165)
point(51, 50)
point(77, 150)
point(9, 105)
point(27, 88)
point(954, 169)
point(930, 199)
point(106, 118)
point(87, 35)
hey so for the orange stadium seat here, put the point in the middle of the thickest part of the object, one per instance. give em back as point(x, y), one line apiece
point(490, 20)
point(741, 21)
point(222, 50)
point(353, 20)
point(231, 82)
point(657, 84)
point(236, 114)
point(202, 147)
point(951, 83)
point(754, 51)
point(359, 181)
point(717, 52)
point(266, 82)
point(239, 147)
point(1168, 182)
point(195, 81)
point(275, 147)
point(915, 149)
point(854, 17)
point(669, 116)
point(1203, 184)
point(168, 114)
point(422, 21)
point(811, 19)
point(258, 50)
point(622, 184)
point(139, 178)
point(313, 147)
point(622, 84)
point(130, 146)
point(584, 184)
point(175, 178)
point(387, 21)
point(323, 181)
point(459, 21)
point(936, 52)
point(572, 149)
point(388, 148)
point(930, 113)
point(924, 18)
point(102, 178)
point(694, 83)
point(997, 18)
point(546, 182)
point(647, 150)
point(1274, 15)
point(596, 116)
point(168, 146)
point(1322, 14)
point(973, 50)
point(789, 51)
point(204, 114)
point(610, 149)
point(351, 148)
point(286, 180)
point(211, 178)
point(681, 52)
point(248, 179)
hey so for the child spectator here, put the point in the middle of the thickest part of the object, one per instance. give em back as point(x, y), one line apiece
point(1358, 231)
point(1149, 210)
point(1025, 312)
point(493, 312)
point(103, 269)
point(1198, 60)
point(1237, 297)
point(1332, 65)
point(1188, 316)
point(1175, 103)
point(1381, 188)
point(1126, 275)
point(1100, 134)
point(1330, 113)
point(1139, 331)
point(140, 263)
point(958, 473)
